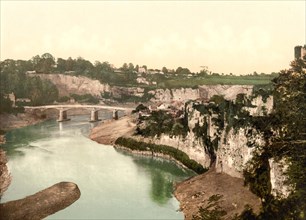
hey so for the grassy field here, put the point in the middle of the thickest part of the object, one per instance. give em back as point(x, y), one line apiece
point(194, 82)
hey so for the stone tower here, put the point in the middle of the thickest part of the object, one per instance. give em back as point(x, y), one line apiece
point(299, 52)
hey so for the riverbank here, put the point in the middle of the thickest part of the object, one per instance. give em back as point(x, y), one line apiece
point(5, 177)
point(107, 132)
point(12, 121)
point(197, 191)
point(194, 192)
point(149, 154)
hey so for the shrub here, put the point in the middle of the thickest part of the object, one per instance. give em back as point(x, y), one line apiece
point(167, 150)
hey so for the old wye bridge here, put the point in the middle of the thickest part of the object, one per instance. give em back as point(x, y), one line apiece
point(94, 109)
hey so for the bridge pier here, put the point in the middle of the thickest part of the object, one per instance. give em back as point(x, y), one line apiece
point(94, 116)
point(115, 114)
point(62, 116)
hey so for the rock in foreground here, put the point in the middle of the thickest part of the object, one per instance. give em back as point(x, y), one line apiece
point(41, 204)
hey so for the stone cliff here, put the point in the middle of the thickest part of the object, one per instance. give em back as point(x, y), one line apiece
point(5, 177)
point(224, 138)
point(81, 85)
point(204, 92)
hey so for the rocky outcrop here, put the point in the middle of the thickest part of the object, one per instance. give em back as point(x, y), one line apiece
point(229, 92)
point(119, 92)
point(80, 85)
point(5, 177)
point(233, 153)
point(261, 107)
point(41, 204)
point(191, 145)
point(204, 92)
point(278, 178)
point(168, 95)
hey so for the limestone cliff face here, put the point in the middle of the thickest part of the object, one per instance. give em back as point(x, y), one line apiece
point(233, 152)
point(278, 178)
point(119, 92)
point(261, 107)
point(235, 146)
point(80, 85)
point(191, 145)
point(168, 95)
point(68, 84)
point(203, 92)
point(5, 177)
point(228, 91)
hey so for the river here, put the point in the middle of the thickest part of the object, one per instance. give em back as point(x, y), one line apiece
point(113, 184)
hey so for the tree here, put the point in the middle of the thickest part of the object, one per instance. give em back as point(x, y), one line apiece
point(182, 71)
point(70, 64)
point(131, 67)
point(61, 65)
point(83, 67)
point(285, 132)
point(164, 70)
point(43, 64)
point(124, 67)
point(137, 68)
point(290, 100)
point(6, 103)
point(178, 70)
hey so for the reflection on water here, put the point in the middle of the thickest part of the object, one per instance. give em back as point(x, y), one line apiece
point(162, 187)
point(113, 184)
point(163, 176)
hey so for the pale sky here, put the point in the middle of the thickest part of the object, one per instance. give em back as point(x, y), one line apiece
point(237, 37)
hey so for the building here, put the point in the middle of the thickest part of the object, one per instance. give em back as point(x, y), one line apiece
point(142, 70)
point(299, 52)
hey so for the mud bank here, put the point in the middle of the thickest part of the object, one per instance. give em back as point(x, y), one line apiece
point(108, 131)
point(196, 191)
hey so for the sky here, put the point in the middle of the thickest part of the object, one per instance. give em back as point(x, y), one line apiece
point(237, 37)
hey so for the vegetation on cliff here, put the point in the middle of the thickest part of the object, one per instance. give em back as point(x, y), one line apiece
point(283, 130)
point(162, 149)
point(14, 78)
point(161, 122)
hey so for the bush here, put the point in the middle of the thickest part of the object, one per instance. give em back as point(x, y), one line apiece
point(167, 150)
point(87, 98)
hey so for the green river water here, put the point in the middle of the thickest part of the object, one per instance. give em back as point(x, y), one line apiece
point(113, 184)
